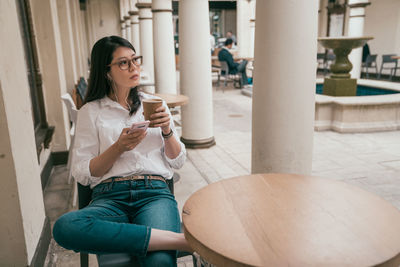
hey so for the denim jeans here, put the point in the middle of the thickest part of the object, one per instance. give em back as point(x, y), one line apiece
point(119, 219)
point(242, 71)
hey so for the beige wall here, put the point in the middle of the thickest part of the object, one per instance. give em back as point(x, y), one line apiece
point(382, 21)
point(104, 19)
point(21, 200)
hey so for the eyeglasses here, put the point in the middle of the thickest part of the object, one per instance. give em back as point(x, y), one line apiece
point(127, 63)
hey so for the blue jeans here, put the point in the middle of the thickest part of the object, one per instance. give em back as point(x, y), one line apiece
point(119, 219)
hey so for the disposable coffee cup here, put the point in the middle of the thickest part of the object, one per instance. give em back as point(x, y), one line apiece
point(150, 106)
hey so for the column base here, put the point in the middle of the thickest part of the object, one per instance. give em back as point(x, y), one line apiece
point(340, 87)
point(204, 143)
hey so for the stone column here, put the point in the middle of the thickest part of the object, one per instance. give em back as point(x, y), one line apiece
point(356, 29)
point(128, 28)
point(50, 56)
point(74, 6)
point(243, 16)
point(284, 86)
point(164, 54)
point(121, 15)
point(134, 13)
point(67, 38)
point(24, 228)
point(195, 73)
point(146, 38)
point(252, 37)
point(135, 31)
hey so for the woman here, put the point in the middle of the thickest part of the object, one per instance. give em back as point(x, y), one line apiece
point(132, 209)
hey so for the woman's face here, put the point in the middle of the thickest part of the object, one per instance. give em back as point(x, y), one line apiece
point(124, 70)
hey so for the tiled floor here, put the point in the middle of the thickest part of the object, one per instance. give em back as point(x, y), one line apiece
point(370, 161)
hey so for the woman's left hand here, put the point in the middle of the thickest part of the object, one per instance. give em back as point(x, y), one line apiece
point(161, 119)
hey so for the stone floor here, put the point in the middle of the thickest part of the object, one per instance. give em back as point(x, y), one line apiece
point(370, 161)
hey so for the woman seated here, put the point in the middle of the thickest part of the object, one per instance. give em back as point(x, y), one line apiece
point(132, 209)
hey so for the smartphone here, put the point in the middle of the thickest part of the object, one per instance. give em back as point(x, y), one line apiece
point(139, 125)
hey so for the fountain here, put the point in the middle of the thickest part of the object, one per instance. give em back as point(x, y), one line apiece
point(340, 83)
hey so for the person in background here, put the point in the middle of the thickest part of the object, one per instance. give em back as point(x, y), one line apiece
point(234, 67)
point(212, 42)
point(365, 52)
point(230, 35)
point(132, 210)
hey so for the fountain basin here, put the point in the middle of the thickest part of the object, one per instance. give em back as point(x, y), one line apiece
point(355, 114)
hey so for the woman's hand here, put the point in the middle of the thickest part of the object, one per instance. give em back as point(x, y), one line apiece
point(128, 141)
point(161, 119)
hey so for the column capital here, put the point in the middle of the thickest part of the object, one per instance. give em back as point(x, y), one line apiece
point(133, 13)
point(127, 17)
point(161, 10)
point(143, 5)
point(356, 5)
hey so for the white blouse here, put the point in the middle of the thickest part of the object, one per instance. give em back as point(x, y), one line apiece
point(99, 125)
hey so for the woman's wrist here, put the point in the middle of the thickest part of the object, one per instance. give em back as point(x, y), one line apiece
point(168, 134)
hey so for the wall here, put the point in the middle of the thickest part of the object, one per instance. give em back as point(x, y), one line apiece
point(21, 199)
point(382, 21)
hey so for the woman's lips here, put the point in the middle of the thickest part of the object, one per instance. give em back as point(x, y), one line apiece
point(134, 77)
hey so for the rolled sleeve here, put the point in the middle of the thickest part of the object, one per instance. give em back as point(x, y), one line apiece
point(177, 162)
point(86, 145)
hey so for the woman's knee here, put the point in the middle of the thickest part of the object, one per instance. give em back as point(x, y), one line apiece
point(66, 229)
point(160, 258)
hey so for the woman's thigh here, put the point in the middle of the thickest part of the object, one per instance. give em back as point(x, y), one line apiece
point(160, 212)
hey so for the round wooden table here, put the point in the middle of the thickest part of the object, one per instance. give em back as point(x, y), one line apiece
point(291, 220)
point(174, 100)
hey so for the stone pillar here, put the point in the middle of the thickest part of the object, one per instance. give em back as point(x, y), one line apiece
point(195, 73)
point(121, 15)
point(164, 51)
point(67, 38)
point(243, 16)
point(146, 38)
point(74, 5)
point(135, 31)
point(128, 28)
point(23, 222)
point(134, 13)
point(283, 104)
point(50, 55)
point(127, 19)
point(252, 37)
point(356, 29)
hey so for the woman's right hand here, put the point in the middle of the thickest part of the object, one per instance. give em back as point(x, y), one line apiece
point(128, 141)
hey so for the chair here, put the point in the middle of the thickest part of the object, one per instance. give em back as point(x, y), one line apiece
point(73, 113)
point(229, 77)
point(82, 87)
point(320, 61)
point(370, 62)
point(329, 59)
point(388, 60)
point(115, 259)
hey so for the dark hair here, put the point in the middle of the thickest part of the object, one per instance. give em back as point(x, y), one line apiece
point(99, 85)
point(228, 41)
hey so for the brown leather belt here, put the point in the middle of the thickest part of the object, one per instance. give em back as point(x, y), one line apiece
point(133, 178)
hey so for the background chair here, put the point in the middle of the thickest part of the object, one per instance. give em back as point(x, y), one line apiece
point(115, 259)
point(370, 62)
point(73, 113)
point(388, 60)
point(229, 77)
